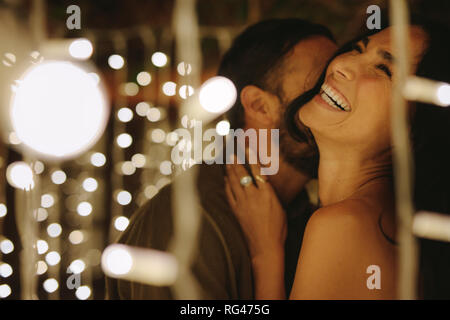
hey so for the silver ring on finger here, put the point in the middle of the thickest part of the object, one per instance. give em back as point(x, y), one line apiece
point(246, 181)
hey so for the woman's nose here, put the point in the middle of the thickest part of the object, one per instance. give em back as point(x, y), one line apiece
point(343, 71)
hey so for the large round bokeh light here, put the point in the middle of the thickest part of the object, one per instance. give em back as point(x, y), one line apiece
point(58, 110)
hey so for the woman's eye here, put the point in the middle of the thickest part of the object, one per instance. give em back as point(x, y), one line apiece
point(385, 69)
point(357, 47)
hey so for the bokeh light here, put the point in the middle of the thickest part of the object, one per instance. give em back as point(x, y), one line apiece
point(20, 175)
point(81, 49)
point(217, 94)
point(123, 197)
point(84, 208)
point(54, 230)
point(83, 292)
point(50, 285)
point(169, 88)
point(121, 223)
point(52, 258)
point(142, 108)
point(3, 210)
point(98, 159)
point(58, 177)
point(125, 114)
point(90, 184)
point(6, 246)
point(223, 127)
point(159, 59)
point(153, 114)
point(117, 260)
point(76, 237)
point(185, 91)
point(144, 78)
point(124, 140)
point(5, 291)
point(184, 68)
point(116, 61)
point(58, 110)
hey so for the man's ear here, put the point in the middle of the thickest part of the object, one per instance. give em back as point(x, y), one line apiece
point(261, 107)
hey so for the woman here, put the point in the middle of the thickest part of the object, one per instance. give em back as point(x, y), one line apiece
point(348, 249)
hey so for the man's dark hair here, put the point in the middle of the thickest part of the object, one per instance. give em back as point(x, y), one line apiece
point(255, 57)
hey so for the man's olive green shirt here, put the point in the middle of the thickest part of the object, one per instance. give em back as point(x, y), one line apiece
point(222, 264)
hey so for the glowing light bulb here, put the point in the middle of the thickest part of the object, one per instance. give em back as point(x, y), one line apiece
point(185, 91)
point(90, 184)
point(169, 88)
point(116, 61)
point(47, 200)
point(159, 59)
point(76, 237)
point(5, 270)
point(153, 114)
point(142, 108)
point(58, 177)
point(58, 111)
point(117, 260)
point(443, 94)
point(81, 49)
point(38, 167)
point(84, 208)
point(138, 161)
point(223, 127)
point(128, 168)
point(144, 78)
point(53, 258)
point(184, 68)
point(41, 268)
point(124, 197)
point(3, 210)
point(54, 230)
point(42, 246)
point(121, 223)
point(6, 246)
point(83, 292)
point(158, 135)
point(5, 291)
point(217, 95)
point(98, 159)
point(50, 285)
point(129, 89)
point(166, 167)
point(20, 175)
point(41, 214)
point(124, 140)
point(125, 114)
point(77, 266)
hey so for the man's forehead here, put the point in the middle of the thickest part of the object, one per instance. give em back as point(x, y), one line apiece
point(306, 45)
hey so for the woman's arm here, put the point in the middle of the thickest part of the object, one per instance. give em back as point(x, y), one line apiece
point(263, 222)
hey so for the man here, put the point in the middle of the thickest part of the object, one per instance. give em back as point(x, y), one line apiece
point(270, 63)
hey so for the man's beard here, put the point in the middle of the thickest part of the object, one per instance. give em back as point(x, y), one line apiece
point(303, 156)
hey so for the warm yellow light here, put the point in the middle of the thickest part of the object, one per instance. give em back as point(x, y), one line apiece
point(58, 110)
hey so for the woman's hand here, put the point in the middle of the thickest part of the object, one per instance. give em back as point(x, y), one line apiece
point(258, 210)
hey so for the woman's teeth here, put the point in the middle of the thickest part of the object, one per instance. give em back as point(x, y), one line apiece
point(333, 98)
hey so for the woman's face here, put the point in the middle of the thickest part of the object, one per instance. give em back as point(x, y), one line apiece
point(353, 106)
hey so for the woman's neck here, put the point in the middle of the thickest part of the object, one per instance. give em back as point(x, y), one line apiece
point(343, 174)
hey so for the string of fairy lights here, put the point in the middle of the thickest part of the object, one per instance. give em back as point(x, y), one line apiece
point(71, 209)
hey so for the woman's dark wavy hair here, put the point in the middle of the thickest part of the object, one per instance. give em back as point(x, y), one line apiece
point(298, 131)
point(430, 137)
